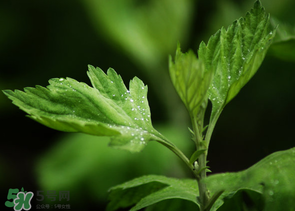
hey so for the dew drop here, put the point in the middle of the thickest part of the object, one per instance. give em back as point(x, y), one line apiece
point(114, 95)
point(142, 87)
point(142, 97)
point(128, 91)
point(142, 102)
point(142, 119)
point(131, 100)
point(112, 82)
point(214, 99)
point(148, 115)
point(132, 134)
point(270, 32)
point(132, 109)
point(142, 139)
point(243, 58)
point(229, 77)
point(61, 79)
point(135, 118)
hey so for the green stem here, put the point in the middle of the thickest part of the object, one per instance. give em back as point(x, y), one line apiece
point(175, 150)
point(200, 175)
point(205, 200)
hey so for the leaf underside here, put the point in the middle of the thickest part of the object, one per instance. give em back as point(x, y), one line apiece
point(106, 109)
point(151, 189)
point(272, 177)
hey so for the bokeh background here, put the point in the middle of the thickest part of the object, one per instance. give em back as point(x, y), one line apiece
point(45, 39)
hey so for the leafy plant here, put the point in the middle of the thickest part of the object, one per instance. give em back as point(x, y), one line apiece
point(223, 66)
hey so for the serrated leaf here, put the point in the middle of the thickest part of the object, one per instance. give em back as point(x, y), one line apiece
point(272, 177)
point(107, 109)
point(191, 81)
point(235, 54)
point(148, 190)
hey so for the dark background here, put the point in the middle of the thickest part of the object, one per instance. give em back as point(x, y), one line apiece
point(40, 40)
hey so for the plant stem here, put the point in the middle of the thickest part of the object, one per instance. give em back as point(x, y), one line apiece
point(203, 191)
point(200, 172)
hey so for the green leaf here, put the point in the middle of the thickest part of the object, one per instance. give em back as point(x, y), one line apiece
point(191, 82)
point(283, 46)
point(196, 155)
point(107, 109)
point(147, 31)
point(235, 54)
point(151, 189)
point(79, 158)
point(272, 177)
point(242, 200)
point(173, 205)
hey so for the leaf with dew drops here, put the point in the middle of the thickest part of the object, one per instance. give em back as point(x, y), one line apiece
point(106, 109)
point(235, 54)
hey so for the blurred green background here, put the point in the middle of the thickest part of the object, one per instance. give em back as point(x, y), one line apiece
point(45, 39)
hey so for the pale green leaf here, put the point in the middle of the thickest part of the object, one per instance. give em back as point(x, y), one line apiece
point(191, 82)
point(106, 109)
point(146, 30)
point(235, 54)
point(273, 177)
point(151, 189)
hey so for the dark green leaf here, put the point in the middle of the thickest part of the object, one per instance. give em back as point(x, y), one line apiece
point(151, 189)
point(173, 205)
point(272, 177)
point(243, 200)
point(283, 46)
